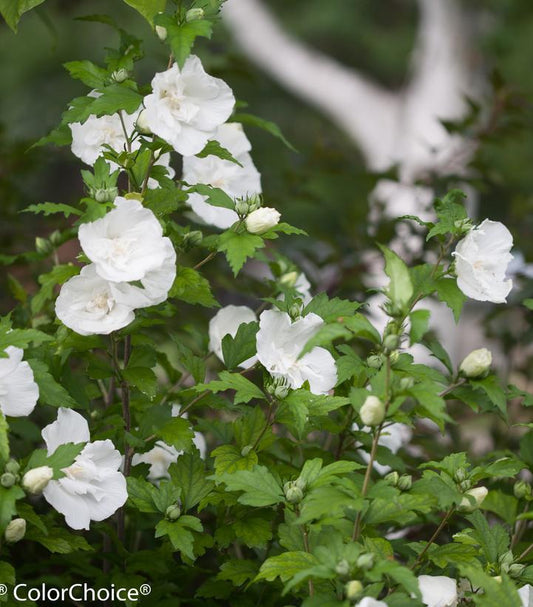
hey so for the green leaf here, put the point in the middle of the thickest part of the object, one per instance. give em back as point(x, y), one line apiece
point(21, 338)
point(451, 295)
point(450, 212)
point(49, 208)
point(182, 36)
point(12, 10)
point(8, 499)
point(57, 276)
point(50, 391)
point(419, 325)
point(177, 432)
point(241, 347)
point(7, 573)
point(113, 98)
point(88, 72)
point(59, 540)
point(213, 148)
point(148, 8)
point(190, 286)
point(286, 565)
point(259, 487)
point(492, 388)
point(451, 554)
point(237, 571)
point(238, 247)
point(62, 457)
point(230, 459)
point(189, 475)
point(334, 309)
point(141, 494)
point(214, 196)
point(245, 390)
point(269, 127)
point(400, 289)
point(178, 533)
point(143, 379)
point(254, 531)
point(361, 327)
point(4, 441)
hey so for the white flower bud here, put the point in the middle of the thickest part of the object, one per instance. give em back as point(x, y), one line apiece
point(194, 14)
point(120, 75)
point(477, 363)
point(261, 220)
point(35, 480)
point(372, 412)
point(141, 124)
point(15, 530)
point(478, 493)
point(353, 589)
point(161, 32)
point(289, 279)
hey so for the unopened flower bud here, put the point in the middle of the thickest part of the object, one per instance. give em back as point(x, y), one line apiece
point(300, 483)
point(477, 363)
point(289, 279)
point(278, 387)
point(406, 383)
point(261, 220)
point(521, 489)
point(8, 480)
point(242, 208)
point(342, 568)
point(295, 311)
point(293, 493)
point(141, 125)
point(120, 75)
point(365, 561)
point(246, 450)
point(161, 32)
point(105, 194)
point(391, 342)
point(372, 412)
point(476, 495)
point(194, 14)
point(465, 485)
point(465, 225)
point(353, 589)
point(12, 466)
point(15, 530)
point(506, 560)
point(405, 482)
point(173, 512)
point(392, 478)
point(375, 361)
point(516, 570)
point(193, 239)
point(394, 356)
point(43, 246)
point(460, 475)
point(35, 480)
point(254, 202)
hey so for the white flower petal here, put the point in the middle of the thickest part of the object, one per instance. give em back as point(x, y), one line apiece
point(438, 590)
point(69, 427)
point(18, 391)
point(227, 322)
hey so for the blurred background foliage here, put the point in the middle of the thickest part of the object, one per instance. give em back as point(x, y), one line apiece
point(324, 188)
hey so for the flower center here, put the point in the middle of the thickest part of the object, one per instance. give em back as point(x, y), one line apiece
point(102, 302)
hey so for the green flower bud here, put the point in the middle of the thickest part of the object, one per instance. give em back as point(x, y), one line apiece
point(105, 194)
point(8, 480)
point(375, 361)
point(43, 246)
point(393, 356)
point(342, 568)
point(521, 489)
point(372, 412)
point(405, 482)
point(173, 512)
point(242, 208)
point(254, 202)
point(392, 478)
point(15, 530)
point(161, 32)
point(465, 485)
point(294, 494)
point(516, 570)
point(460, 475)
point(353, 589)
point(476, 364)
point(141, 125)
point(278, 387)
point(194, 14)
point(289, 279)
point(12, 466)
point(120, 75)
point(295, 311)
point(193, 239)
point(391, 342)
point(365, 561)
point(506, 560)
point(406, 383)
point(469, 505)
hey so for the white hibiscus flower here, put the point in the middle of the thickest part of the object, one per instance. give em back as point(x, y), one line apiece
point(279, 344)
point(526, 595)
point(236, 181)
point(91, 305)
point(227, 322)
point(481, 260)
point(187, 105)
point(438, 590)
point(18, 391)
point(92, 488)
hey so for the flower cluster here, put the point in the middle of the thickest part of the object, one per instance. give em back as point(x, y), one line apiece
point(126, 245)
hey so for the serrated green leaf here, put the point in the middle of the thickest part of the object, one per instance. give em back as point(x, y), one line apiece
point(237, 571)
point(286, 565)
point(213, 148)
point(177, 432)
point(59, 540)
point(180, 537)
point(62, 457)
point(492, 388)
point(451, 295)
point(238, 247)
point(259, 487)
point(50, 208)
point(148, 8)
point(50, 391)
point(240, 348)
point(189, 475)
point(114, 98)
point(182, 36)
point(12, 10)
point(140, 494)
point(8, 499)
point(332, 309)
point(7, 573)
point(265, 125)
point(419, 325)
point(230, 459)
point(142, 378)
point(245, 390)
point(57, 276)
point(254, 531)
point(88, 72)
point(400, 288)
point(190, 286)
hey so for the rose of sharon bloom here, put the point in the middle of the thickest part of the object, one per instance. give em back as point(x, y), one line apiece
point(91, 138)
point(438, 590)
point(481, 260)
point(92, 488)
point(187, 105)
point(18, 391)
point(370, 602)
point(279, 344)
point(90, 305)
point(227, 322)
point(526, 595)
point(261, 220)
point(236, 181)
point(127, 243)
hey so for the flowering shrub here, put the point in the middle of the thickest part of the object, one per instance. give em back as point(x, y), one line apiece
point(284, 452)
